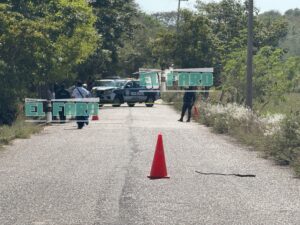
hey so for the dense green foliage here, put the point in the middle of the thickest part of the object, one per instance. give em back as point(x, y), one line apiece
point(292, 41)
point(43, 42)
point(137, 51)
point(115, 25)
point(193, 46)
point(273, 76)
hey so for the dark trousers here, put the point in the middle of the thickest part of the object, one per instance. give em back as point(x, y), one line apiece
point(62, 116)
point(81, 120)
point(187, 106)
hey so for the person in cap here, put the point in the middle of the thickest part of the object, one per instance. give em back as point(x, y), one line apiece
point(62, 93)
point(79, 93)
point(189, 99)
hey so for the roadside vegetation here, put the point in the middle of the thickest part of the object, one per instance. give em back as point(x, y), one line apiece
point(43, 43)
point(19, 129)
point(49, 42)
point(272, 127)
point(275, 135)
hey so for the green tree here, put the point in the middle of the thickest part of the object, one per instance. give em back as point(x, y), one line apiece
point(227, 17)
point(228, 20)
point(292, 41)
point(271, 29)
point(115, 22)
point(42, 42)
point(272, 76)
point(136, 52)
point(47, 38)
point(193, 46)
point(167, 19)
point(163, 48)
point(292, 67)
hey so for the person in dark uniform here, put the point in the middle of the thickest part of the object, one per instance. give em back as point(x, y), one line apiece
point(80, 93)
point(90, 83)
point(62, 93)
point(189, 99)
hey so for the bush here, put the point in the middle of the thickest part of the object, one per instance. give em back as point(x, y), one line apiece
point(8, 97)
point(285, 144)
point(175, 98)
point(277, 136)
point(8, 109)
point(220, 124)
point(296, 165)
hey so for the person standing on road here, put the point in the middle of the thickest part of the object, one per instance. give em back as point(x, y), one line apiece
point(80, 92)
point(62, 93)
point(189, 99)
point(90, 83)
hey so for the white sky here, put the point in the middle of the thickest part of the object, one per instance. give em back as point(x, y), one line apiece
point(170, 5)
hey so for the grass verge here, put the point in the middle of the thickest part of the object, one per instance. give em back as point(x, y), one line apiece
point(20, 129)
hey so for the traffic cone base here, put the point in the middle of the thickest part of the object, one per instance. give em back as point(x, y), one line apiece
point(157, 178)
point(95, 118)
point(159, 168)
point(196, 111)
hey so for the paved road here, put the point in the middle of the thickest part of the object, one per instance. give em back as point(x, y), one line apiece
point(98, 175)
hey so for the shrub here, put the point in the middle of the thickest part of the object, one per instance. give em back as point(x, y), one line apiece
point(220, 124)
point(8, 109)
point(8, 96)
point(278, 136)
point(285, 144)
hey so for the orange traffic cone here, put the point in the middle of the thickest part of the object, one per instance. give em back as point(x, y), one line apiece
point(159, 168)
point(196, 112)
point(95, 118)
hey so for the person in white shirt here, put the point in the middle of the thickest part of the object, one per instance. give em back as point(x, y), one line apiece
point(79, 93)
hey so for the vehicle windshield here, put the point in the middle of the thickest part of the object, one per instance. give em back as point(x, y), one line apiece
point(120, 83)
point(105, 83)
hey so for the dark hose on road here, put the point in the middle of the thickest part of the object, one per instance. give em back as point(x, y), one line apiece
point(222, 174)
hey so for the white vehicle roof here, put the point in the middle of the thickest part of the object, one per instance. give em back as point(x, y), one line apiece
point(106, 80)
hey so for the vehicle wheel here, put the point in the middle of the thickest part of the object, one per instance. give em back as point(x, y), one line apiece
point(117, 102)
point(150, 102)
point(100, 105)
point(131, 104)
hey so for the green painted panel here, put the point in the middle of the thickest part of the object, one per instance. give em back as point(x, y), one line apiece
point(149, 79)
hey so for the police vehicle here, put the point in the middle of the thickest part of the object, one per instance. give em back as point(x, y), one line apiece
point(118, 92)
point(132, 92)
point(105, 90)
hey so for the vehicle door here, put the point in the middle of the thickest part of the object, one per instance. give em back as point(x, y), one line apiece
point(128, 96)
point(139, 91)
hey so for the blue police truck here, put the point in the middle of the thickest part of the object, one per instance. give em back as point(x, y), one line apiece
point(131, 92)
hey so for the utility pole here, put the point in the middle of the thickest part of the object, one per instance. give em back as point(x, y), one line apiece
point(249, 99)
point(178, 13)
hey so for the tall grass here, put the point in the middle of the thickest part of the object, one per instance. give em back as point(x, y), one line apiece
point(19, 129)
point(277, 136)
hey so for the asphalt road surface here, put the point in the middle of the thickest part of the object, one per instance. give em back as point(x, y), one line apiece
point(98, 175)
